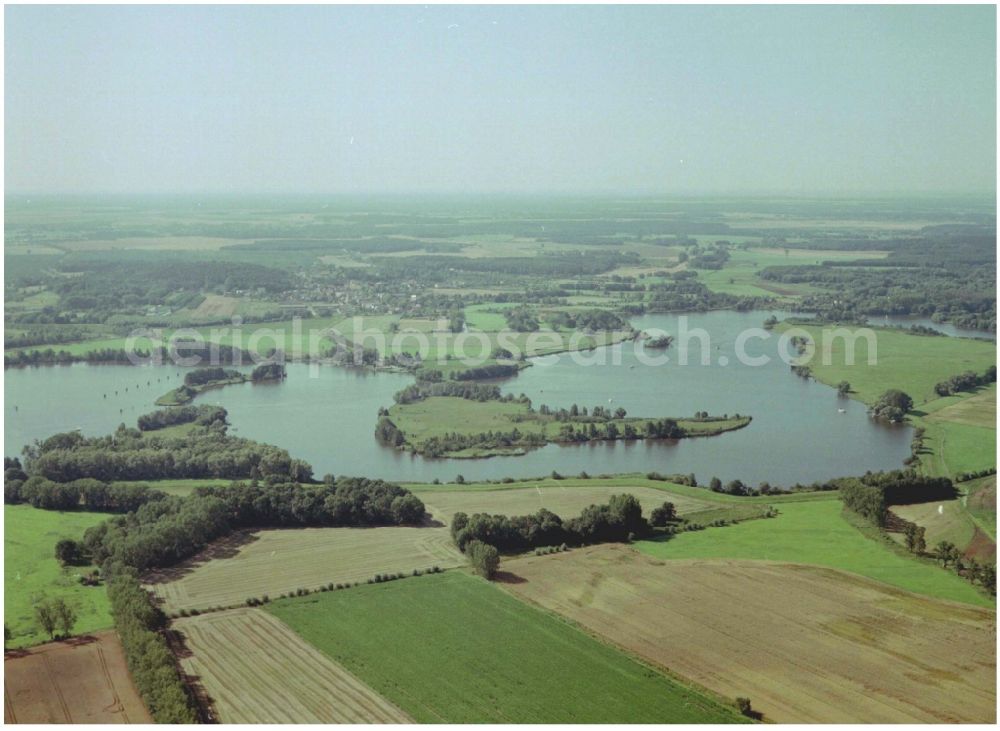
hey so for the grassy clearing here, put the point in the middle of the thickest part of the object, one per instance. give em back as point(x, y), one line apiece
point(31, 572)
point(275, 562)
point(181, 488)
point(818, 533)
point(741, 274)
point(979, 409)
point(805, 644)
point(946, 520)
point(960, 433)
point(565, 500)
point(911, 363)
point(633, 483)
point(256, 670)
point(451, 648)
point(486, 317)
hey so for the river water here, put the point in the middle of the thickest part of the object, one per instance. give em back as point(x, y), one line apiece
point(801, 430)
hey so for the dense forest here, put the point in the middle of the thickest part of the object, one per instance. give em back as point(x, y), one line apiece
point(871, 495)
point(946, 278)
point(617, 520)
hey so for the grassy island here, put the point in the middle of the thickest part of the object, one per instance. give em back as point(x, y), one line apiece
point(450, 419)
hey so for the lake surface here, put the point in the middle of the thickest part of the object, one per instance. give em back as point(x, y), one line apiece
point(327, 415)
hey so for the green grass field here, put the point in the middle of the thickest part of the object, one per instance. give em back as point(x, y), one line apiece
point(981, 502)
point(818, 533)
point(625, 482)
point(952, 448)
point(32, 573)
point(959, 433)
point(945, 520)
point(451, 648)
point(565, 498)
point(480, 317)
point(741, 274)
point(911, 363)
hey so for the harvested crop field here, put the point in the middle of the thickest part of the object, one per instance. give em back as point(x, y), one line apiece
point(83, 680)
point(275, 562)
point(251, 668)
point(978, 410)
point(805, 644)
point(566, 502)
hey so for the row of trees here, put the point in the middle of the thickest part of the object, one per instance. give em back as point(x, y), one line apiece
point(150, 661)
point(975, 572)
point(967, 381)
point(48, 356)
point(574, 412)
point(651, 429)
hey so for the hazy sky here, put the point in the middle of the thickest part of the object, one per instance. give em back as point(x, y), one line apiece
point(529, 99)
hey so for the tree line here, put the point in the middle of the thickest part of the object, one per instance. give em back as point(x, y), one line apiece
point(83, 494)
point(967, 381)
point(163, 532)
point(150, 662)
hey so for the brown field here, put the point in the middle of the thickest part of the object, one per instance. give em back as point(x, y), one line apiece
point(566, 502)
point(251, 668)
point(216, 305)
point(83, 680)
point(275, 562)
point(805, 644)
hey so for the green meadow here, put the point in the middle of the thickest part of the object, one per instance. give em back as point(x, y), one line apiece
point(451, 648)
point(442, 415)
point(818, 533)
point(911, 363)
point(31, 572)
